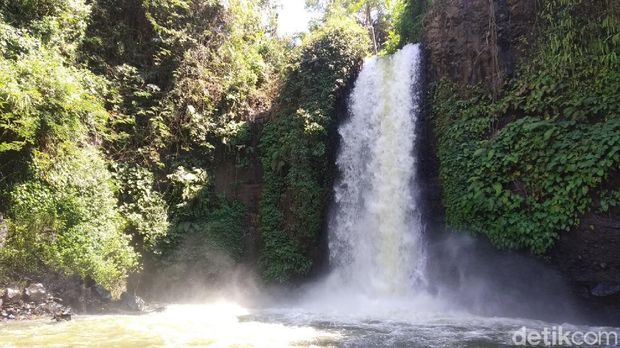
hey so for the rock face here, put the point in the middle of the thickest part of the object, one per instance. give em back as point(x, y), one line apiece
point(589, 253)
point(588, 256)
point(477, 41)
point(604, 290)
point(102, 293)
point(12, 294)
point(33, 301)
point(132, 302)
point(243, 183)
point(36, 293)
point(480, 42)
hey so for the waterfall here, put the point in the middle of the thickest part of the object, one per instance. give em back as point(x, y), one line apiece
point(375, 227)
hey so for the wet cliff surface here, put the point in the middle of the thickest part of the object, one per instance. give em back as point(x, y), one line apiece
point(480, 44)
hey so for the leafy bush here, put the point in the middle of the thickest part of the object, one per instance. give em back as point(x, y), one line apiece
point(187, 185)
point(143, 208)
point(55, 184)
point(60, 24)
point(44, 103)
point(609, 199)
point(208, 245)
point(220, 222)
point(220, 227)
point(69, 223)
point(20, 12)
point(294, 148)
point(222, 83)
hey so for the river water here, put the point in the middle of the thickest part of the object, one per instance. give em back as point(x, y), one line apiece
point(222, 324)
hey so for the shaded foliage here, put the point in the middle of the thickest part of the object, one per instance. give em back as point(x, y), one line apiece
point(294, 148)
point(407, 23)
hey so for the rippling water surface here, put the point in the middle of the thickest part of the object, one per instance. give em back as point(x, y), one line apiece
point(229, 325)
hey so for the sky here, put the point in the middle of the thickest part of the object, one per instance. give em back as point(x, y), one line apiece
point(293, 17)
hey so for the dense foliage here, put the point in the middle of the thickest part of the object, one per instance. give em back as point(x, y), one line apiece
point(526, 166)
point(294, 147)
point(114, 118)
point(51, 113)
point(391, 24)
point(406, 24)
point(69, 223)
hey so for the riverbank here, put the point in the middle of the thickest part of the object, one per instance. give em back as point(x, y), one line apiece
point(20, 301)
point(61, 300)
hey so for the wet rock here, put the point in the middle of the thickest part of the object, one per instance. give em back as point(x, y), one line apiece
point(158, 308)
point(12, 295)
point(33, 302)
point(133, 302)
point(36, 293)
point(605, 289)
point(475, 42)
point(63, 315)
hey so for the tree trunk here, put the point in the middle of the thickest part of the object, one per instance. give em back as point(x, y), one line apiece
point(371, 28)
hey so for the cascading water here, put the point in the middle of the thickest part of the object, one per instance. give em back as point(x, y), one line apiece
point(375, 230)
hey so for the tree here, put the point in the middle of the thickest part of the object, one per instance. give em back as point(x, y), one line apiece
point(375, 15)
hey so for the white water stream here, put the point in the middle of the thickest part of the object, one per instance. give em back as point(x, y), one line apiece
point(375, 236)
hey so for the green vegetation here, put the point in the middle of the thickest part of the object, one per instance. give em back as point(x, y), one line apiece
point(407, 23)
point(69, 223)
point(114, 118)
point(144, 209)
point(294, 147)
point(390, 24)
point(50, 114)
point(524, 167)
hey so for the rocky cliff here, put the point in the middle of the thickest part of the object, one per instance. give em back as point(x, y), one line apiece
point(478, 42)
point(497, 50)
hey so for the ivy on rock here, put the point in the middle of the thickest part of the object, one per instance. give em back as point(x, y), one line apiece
point(525, 167)
point(294, 148)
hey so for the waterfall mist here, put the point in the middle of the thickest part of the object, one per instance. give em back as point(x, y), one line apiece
point(387, 258)
point(390, 256)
